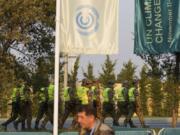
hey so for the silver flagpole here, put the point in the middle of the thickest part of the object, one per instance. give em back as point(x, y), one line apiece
point(56, 74)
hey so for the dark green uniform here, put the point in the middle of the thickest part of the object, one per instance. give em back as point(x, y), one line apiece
point(15, 107)
point(122, 104)
point(22, 109)
point(28, 107)
point(135, 105)
point(43, 108)
point(50, 104)
point(131, 106)
point(70, 104)
point(109, 104)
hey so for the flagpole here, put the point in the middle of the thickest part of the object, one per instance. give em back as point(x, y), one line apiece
point(56, 74)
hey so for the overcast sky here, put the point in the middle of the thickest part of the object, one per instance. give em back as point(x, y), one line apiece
point(126, 43)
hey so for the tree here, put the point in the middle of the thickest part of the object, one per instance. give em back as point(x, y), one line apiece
point(168, 87)
point(155, 74)
point(143, 88)
point(156, 95)
point(165, 67)
point(7, 81)
point(89, 74)
point(107, 71)
point(11, 72)
point(16, 19)
point(171, 88)
point(41, 76)
point(127, 73)
point(73, 75)
point(26, 35)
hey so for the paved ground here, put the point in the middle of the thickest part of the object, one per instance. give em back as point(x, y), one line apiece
point(152, 122)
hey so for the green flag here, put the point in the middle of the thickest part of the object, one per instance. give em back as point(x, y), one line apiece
point(157, 26)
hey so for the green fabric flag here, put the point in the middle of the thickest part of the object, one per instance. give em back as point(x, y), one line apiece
point(157, 26)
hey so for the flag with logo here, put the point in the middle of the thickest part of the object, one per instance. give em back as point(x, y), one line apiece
point(157, 26)
point(89, 26)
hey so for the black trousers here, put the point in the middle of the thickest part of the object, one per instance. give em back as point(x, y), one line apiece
point(122, 109)
point(50, 110)
point(131, 111)
point(42, 110)
point(70, 108)
point(49, 115)
point(14, 113)
point(28, 114)
point(109, 110)
point(22, 114)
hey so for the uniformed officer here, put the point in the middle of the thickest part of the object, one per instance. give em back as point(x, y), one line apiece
point(22, 106)
point(132, 93)
point(50, 105)
point(15, 106)
point(108, 103)
point(43, 108)
point(51, 101)
point(122, 100)
point(70, 99)
point(94, 90)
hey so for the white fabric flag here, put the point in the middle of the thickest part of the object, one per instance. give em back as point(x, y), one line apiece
point(89, 26)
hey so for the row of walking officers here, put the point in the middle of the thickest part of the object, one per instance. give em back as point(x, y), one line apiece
point(109, 101)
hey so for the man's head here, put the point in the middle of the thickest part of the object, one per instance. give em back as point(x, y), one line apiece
point(135, 82)
point(125, 84)
point(110, 84)
point(86, 116)
point(84, 82)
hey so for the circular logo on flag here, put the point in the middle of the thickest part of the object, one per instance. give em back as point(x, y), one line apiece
point(87, 20)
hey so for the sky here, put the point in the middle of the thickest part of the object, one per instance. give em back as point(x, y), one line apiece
point(126, 44)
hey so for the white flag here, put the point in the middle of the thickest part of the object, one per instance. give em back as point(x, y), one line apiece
point(89, 26)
